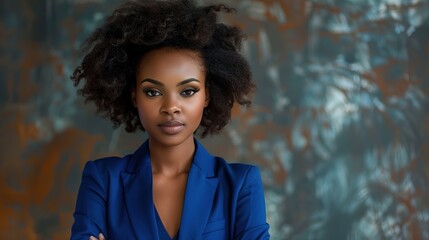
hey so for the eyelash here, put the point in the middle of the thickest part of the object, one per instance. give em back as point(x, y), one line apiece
point(185, 93)
point(193, 90)
point(149, 93)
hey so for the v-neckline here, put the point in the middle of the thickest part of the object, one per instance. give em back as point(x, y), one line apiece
point(162, 231)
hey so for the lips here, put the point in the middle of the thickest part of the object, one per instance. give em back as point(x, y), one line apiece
point(172, 127)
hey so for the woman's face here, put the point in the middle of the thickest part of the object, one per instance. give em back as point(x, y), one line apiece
point(170, 94)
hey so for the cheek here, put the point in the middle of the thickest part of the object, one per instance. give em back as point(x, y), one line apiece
point(197, 107)
point(146, 111)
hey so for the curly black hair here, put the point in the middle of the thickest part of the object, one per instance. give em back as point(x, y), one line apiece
point(113, 51)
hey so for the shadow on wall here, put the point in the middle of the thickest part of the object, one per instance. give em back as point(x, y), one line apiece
point(339, 124)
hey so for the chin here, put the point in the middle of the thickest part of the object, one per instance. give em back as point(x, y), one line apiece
point(170, 140)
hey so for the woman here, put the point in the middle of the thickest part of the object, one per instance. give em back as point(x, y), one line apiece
point(168, 68)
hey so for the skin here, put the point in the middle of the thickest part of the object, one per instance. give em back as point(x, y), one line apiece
point(170, 90)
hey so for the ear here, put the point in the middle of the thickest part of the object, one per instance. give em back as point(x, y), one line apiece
point(206, 103)
point(133, 97)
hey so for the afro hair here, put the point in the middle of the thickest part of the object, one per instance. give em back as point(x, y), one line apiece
point(112, 53)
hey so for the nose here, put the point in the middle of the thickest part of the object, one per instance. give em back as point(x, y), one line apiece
point(170, 106)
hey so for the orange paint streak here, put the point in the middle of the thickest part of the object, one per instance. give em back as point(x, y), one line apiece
point(280, 172)
point(389, 87)
point(38, 180)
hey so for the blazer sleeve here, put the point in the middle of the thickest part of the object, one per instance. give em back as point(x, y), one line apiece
point(250, 220)
point(90, 212)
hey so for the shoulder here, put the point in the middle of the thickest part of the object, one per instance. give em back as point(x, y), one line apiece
point(218, 166)
point(107, 166)
point(239, 169)
point(239, 173)
point(112, 163)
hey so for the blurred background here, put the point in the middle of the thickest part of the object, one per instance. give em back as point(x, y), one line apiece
point(339, 124)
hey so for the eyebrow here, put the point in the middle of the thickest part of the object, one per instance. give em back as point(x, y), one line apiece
point(161, 84)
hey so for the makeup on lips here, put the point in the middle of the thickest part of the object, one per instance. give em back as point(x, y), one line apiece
point(171, 127)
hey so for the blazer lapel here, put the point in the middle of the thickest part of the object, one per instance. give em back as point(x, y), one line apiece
point(137, 183)
point(199, 195)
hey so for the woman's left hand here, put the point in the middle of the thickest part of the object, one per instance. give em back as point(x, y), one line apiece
point(100, 237)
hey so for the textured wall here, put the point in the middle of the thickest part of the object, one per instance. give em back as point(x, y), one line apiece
point(339, 127)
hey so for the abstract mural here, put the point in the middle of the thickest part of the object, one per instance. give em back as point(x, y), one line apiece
point(339, 125)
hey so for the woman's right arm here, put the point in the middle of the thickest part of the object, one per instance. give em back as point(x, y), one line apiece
point(90, 212)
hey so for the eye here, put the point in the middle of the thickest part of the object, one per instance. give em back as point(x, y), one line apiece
point(189, 92)
point(152, 92)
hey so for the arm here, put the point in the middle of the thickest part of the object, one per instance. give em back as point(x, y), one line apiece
point(90, 212)
point(250, 214)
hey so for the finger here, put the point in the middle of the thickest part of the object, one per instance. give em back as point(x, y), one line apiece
point(101, 236)
point(92, 238)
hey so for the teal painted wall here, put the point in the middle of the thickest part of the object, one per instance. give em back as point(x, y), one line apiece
point(339, 124)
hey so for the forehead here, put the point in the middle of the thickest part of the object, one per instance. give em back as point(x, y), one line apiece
point(165, 62)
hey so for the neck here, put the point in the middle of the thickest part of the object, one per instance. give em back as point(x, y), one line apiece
point(171, 160)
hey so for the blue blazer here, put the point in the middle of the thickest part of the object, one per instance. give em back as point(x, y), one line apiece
point(222, 201)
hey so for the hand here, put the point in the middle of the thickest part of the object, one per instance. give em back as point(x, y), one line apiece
point(100, 237)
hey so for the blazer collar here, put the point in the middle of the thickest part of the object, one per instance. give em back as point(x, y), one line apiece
point(137, 183)
point(202, 159)
point(200, 191)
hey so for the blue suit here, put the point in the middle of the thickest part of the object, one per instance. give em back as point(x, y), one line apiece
point(222, 201)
